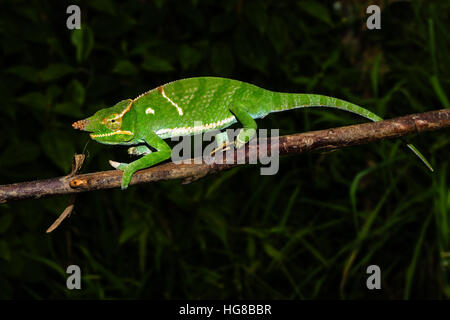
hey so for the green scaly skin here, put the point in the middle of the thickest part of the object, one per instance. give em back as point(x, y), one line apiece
point(173, 109)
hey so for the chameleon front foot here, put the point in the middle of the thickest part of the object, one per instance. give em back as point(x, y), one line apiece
point(139, 151)
point(126, 175)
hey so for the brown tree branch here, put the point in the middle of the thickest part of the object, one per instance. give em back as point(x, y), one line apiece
point(290, 144)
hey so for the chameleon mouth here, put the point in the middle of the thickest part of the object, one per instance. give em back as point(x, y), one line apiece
point(111, 134)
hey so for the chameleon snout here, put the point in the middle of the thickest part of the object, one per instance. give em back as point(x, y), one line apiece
point(81, 124)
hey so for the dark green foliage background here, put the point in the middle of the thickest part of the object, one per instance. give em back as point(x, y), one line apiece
point(308, 232)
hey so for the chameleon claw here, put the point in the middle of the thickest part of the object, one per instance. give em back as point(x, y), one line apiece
point(114, 164)
point(239, 144)
point(131, 151)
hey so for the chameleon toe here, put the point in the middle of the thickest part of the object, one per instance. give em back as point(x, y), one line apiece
point(114, 164)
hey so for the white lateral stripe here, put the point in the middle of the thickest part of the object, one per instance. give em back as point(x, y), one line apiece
point(188, 130)
point(180, 111)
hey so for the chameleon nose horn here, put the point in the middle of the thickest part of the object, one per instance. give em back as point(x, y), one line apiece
point(81, 124)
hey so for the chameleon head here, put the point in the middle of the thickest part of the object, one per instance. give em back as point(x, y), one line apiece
point(112, 125)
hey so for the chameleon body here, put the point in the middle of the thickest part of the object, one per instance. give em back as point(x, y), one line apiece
point(177, 108)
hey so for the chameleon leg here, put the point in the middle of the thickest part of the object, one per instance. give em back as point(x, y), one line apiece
point(163, 153)
point(222, 142)
point(139, 150)
point(249, 125)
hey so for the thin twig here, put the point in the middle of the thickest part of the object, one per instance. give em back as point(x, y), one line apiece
point(290, 144)
point(77, 163)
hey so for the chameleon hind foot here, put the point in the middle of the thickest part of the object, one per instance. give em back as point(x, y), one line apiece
point(223, 143)
point(222, 148)
point(244, 136)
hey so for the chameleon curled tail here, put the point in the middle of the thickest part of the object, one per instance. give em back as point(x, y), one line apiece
point(287, 101)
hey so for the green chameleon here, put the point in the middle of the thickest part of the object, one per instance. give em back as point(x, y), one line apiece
point(176, 108)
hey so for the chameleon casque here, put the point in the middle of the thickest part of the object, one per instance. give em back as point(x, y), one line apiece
point(170, 110)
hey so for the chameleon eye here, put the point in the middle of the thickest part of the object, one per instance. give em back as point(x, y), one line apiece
point(113, 122)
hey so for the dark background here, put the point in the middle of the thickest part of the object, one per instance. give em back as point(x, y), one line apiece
point(308, 232)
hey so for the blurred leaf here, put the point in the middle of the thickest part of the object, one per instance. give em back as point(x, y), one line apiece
point(58, 146)
point(55, 46)
point(83, 40)
point(19, 153)
point(49, 263)
point(6, 292)
point(5, 221)
point(278, 33)
point(25, 72)
point(75, 92)
point(143, 48)
point(189, 57)
point(256, 232)
point(35, 100)
point(143, 239)
point(251, 247)
point(222, 61)
point(106, 6)
point(125, 67)
point(249, 48)
point(113, 27)
point(439, 92)
point(413, 265)
point(5, 253)
point(355, 184)
point(217, 225)
point(131, 230)
point(374, 74)
point(68, 109)
point(302, 80)
point(222, 22)
point(316, 10)
point(332, 60)
point(157, 64)
point(52, 93)
point(55, 71)
point(31, 219)
point(159, 3)
point(257, 14)
point(272, 252)
point(218, 183)
point(28, 12)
